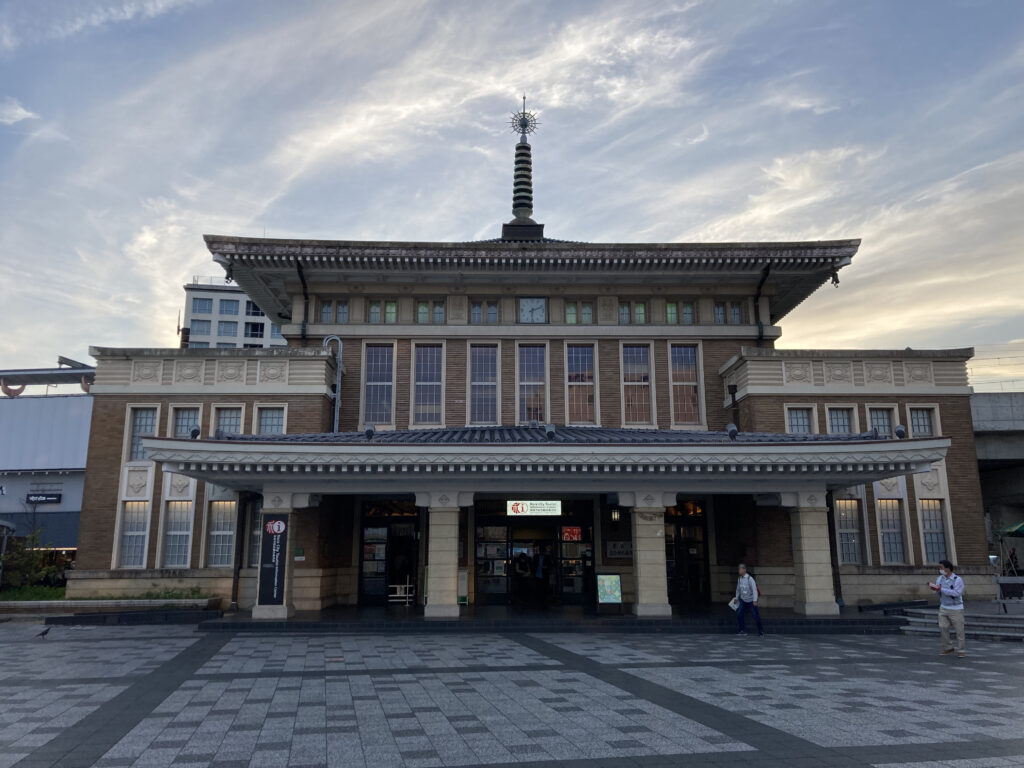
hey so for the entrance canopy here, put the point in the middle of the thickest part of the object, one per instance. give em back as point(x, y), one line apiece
point(570, 459)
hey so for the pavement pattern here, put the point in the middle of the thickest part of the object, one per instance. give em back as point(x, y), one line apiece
point(171, 696)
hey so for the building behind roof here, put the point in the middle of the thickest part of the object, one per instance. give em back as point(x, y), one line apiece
point(218, 315)
point(608, 410)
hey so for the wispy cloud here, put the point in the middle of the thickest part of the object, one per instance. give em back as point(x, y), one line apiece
point(12, 112)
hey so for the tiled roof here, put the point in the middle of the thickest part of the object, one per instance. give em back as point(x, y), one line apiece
point(561, 435)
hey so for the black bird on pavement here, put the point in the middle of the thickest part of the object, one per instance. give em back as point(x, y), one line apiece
point(45, 632)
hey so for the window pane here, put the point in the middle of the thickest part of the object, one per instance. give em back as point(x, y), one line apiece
point(252, 310)
point(492, 312)
point(342, 308)
point(840, 421)
point(177, 533)
point(427, 402)
point(143, 425)
point(636, 383)
point(379, 369)
point(532, 381)
point(719, 313)
point(672, 312)
point(439, 312)
point(229, 306)
point(579, 365)
point(624, 313)
point(221, 546)
point(570, 313)
point(799, 420)
point(476, 312)
point(229, 420)
point(586, 313)
point(688, 314)
point(326, 312)
point(685, 386)
point(200, 328)
point(185, 420)
point(390, 311)
point(890, 523)
point(227, 328)
point(422, 312)
point(199, 345)
point(133, 534)
point(881, 419)
point(921, 422)
point(933, 526)
point(254, 330)
point(374, 315)
point(849, 530)
point(735, 312)
point(202, 306)
point(483, 378)
point(640, 313)
point(270, 421)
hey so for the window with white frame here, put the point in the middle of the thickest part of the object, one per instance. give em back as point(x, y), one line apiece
point(201, 306)
point(685, 384)
point(580, 384)
point(636, 384)
point(483, 384)
point(579, 312)
point(933, 529)
point(270, 420)
point(532, 382)
point(632, 312)
point(177, 533)
point(226, 345)
point(221, 540)
point(200, 328)
point(379, 387)
point(799, 421)
point(849, 531)
point(430, 312)
point(251, 310)
point(922, 422)
point(483, 312)
point(134, 526)
point(185, 420)
point(199, 345)
point(229, 420)
point(228, 306)
point(227, 328)
point(143, 425)
point(427, 390)
point(890, 527)
point(840, 421)
point(677, 312)
point(881, 419)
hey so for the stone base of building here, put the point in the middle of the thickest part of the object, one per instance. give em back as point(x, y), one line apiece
point(652, 610)
point(272, 612)
point(440, 611)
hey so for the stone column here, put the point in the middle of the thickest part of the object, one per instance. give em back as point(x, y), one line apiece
point(649, 575)
point(267, 606)
point(813, 594)
point(442, 551)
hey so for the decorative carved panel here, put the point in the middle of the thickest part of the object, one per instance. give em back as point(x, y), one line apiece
point(878, 373)
point(232, 371)
point(136, 482)
point(147, 371)
point(797, 373)
point(189, 371)
point(840, 373)
point(919, 373)
point(273, 371)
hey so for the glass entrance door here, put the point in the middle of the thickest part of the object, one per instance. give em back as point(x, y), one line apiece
point(686, 558)
point(389, 554)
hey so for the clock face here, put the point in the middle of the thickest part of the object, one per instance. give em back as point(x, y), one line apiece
point(533, 310)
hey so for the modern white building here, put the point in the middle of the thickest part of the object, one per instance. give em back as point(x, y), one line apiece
point(218, 314)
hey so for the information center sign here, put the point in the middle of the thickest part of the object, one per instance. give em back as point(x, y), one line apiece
point(534, 508)
point(273, 546)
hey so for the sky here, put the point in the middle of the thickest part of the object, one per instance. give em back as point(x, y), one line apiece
point(129, 128)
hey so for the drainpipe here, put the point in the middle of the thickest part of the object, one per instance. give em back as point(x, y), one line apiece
point(337, 378)
point(732, 388)
point(837, 582)
point(757, 303)
point(305, 301)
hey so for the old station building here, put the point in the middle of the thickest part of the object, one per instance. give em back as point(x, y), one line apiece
point(442, 408)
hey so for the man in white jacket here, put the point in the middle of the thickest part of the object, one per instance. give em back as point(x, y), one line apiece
point(746, 593)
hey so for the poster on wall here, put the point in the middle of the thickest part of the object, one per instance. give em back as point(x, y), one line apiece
point(609, 589)
point(273, 546)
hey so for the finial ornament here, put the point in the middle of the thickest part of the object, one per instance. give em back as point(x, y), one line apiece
point(524, 122)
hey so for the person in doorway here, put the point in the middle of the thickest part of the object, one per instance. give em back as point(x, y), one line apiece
point(541, 573)
point(747, 594)
point(521, 578)
point(951, 608)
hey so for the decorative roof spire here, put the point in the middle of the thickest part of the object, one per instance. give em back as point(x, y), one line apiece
point(522, 227)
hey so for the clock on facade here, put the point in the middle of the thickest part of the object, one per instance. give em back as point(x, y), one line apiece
point(533, 310)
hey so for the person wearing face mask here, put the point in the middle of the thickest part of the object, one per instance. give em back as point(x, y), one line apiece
point(951, 608)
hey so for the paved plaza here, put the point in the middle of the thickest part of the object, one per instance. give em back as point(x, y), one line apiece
point(171, 696)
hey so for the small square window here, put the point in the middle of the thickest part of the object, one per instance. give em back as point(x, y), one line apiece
point(254, 330)
point(342, 310)
point(252, 310)
point(689, 316)
point(624, 315)
point(476, 313)
point(720, 313)
point(672, 312)
point(571, 317)
point(640, 312)
point(881, 419)
point(587, 312)
point(735, 313)
point(202, 306)
point(799, 421)
point(374, 315)
point(227, 328)
point(200, 328)
point(390, 311)
point(199, 345)
point(229, 306)
point(921, 422)
point(840, 421)
point(326, 311)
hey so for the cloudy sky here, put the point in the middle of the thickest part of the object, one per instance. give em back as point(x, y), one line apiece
point(128, 128)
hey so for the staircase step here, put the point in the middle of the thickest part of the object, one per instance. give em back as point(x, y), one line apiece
point(972, 621)
point(981, 634)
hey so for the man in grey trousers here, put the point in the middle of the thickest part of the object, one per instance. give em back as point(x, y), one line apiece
point(951, 608)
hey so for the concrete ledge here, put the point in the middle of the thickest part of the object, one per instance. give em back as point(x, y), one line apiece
point(104, 606)
point(441, 611)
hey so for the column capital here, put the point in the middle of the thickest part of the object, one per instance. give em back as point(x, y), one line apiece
point(447, 499)
point(647, 499)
